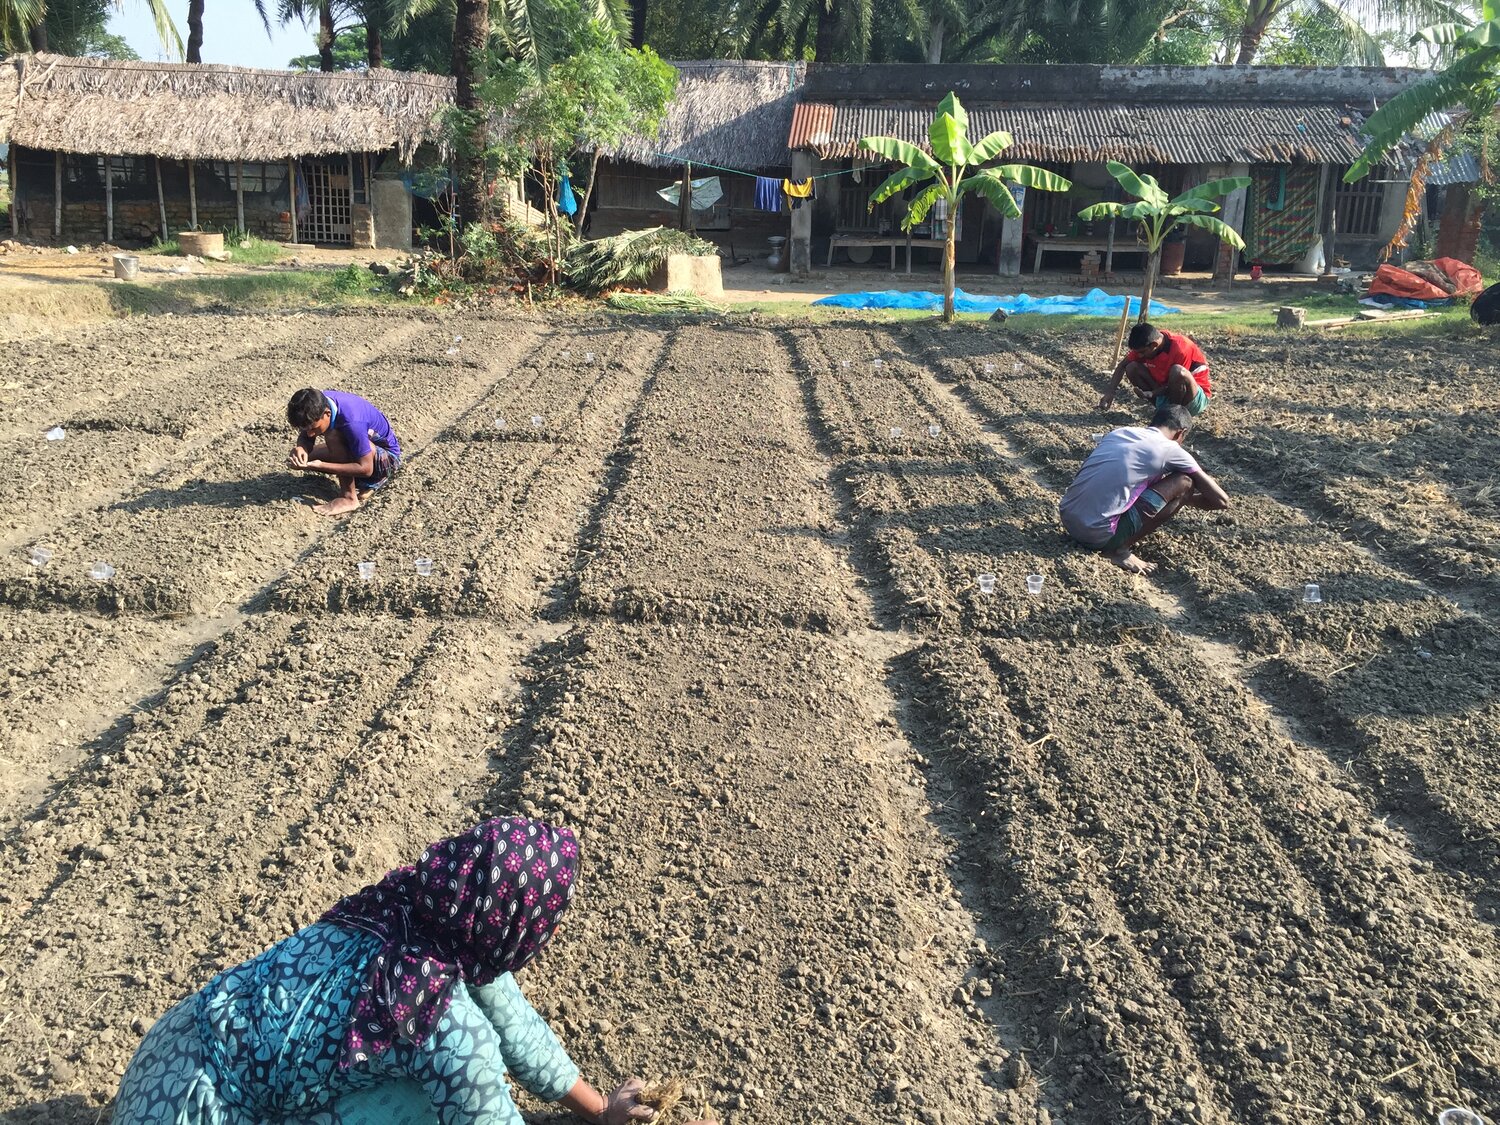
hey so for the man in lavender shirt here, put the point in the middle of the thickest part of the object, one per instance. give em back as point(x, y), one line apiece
point(1137, 479)
point(345, 436)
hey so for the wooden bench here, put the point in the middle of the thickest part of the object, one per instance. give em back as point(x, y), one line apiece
point(1106, 246)
point(845, 241)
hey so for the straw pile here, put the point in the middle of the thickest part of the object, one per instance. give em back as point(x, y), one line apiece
point(182, 111)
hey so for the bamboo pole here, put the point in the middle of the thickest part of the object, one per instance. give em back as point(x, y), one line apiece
point(57, 167)
point(239, 194)
point(15, 191)
point(109, 199)
point(192, 195)
point(1120, 334)
point(291, 194)
point(685, 197)
point(161, 201)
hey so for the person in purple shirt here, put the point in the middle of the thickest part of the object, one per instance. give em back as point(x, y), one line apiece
point(345, 436)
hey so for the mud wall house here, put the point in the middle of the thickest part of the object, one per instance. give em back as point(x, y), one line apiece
point(723, 115)
point(1293, 130)
point(126, 152)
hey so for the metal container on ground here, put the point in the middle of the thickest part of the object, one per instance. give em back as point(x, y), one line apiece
point(126, 266)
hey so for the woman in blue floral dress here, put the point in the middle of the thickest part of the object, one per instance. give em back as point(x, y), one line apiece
point(399, 1006)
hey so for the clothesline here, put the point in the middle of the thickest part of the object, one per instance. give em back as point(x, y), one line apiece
point(752, 175)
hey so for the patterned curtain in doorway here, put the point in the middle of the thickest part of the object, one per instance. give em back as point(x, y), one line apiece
point(1282, 219)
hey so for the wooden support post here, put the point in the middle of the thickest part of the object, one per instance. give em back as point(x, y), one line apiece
point(15, 191)
point(192, 195)
point(239, 194)
point(109, 199)
point(291, 194)
point(685, 198)
point(57, 195)
point(161, 201)
point(1114, 360)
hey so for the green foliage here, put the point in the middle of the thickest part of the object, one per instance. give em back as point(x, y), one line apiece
point(628, 260)
point(81, 28)
point(352, 280)
point(348, 51)
point(955, 168)
point(663, 303)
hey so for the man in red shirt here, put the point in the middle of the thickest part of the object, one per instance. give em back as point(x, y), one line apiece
point(1165, 367)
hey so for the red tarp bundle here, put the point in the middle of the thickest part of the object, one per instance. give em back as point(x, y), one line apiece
point(1437, 280)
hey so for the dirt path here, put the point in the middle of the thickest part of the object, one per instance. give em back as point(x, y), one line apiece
point(862, 843)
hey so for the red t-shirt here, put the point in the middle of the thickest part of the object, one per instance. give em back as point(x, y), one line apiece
point(1179, 350)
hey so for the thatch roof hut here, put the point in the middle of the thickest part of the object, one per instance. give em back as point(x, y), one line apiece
point(736, 114)
point(186, 111)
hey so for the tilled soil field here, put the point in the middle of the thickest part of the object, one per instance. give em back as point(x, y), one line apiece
point(862, 842)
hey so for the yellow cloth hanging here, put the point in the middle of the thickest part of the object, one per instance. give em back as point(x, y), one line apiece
point(796, 190)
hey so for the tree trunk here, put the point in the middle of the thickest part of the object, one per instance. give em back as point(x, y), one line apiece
point(325, 36)
point(195, 32)
point(1153, 262)
point(638, 23)
point(935, 36)
point(950, 248)
point(471, 33)
point(374, 49)
point(588, 193)
point(826, 43)
point(37, 34)
point(1257, 21)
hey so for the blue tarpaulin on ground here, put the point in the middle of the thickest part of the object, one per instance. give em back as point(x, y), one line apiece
point(1096, 302)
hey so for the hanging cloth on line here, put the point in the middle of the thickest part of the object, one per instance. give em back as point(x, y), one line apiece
point(706, 192)
point(767, 193)
point(797, 192)
point(567, 202)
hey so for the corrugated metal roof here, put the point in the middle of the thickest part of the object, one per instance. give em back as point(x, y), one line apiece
point(1166, 133)
point(1460, 168)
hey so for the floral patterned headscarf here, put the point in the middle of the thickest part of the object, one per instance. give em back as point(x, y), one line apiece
point(474, 907)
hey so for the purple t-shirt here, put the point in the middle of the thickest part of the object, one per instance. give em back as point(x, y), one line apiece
point(1124, 464)
point(360, 423)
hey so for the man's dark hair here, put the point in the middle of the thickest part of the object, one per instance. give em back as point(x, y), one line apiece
point(307, 406)
point(1143, 335)
point(1173, 417)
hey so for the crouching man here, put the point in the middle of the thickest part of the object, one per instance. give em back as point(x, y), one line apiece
point(346, 437)
point(1136, 480)
point(1165, 368)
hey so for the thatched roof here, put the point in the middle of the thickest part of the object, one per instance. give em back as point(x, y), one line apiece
point(732, 113)
point(206, 112)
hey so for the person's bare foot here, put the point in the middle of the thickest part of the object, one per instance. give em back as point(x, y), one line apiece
point(1127, 562)
point(337, 506)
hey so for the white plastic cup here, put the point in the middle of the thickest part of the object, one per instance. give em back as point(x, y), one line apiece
point(1311, 594)
point(458, 339)
point(1097, 438)
point(989, 368)
point(843, 365)
point(877, 363)
point(424, 566)
point(56, 433)
point(934, 430)
point(101, 571)
point(1016, 367)
point(588, 357)
point(1456, 1116)
point(328, 340)
point(499, 423)
point(564, 354)
point(39, 557)
point(1034, 583)
point(537, 421)
point(986, 583)
point(452, 351)
point(897, 432)
point(366, 571)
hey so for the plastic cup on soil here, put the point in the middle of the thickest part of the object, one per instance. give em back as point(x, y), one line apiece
point(986, 583)
point(588, 357)
point(500, 424)
point(101, 571)
point(1456, 1116)
point(39, 557)
point(877, 364)
point(537, 421)
point(989, 368)
point(1097, 438)
point(366, 571)
point(934, 430)
point(843, 365)
point(452, 351)
point(897, 432)
point(56, 433)
point(1034, 583)
point(458, 339)
point(1311, 594)
point(328, 340)
point(424, 567)
point(1016, 367)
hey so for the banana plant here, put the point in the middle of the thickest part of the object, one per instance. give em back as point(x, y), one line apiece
point(955, 168)
point(1159, 215)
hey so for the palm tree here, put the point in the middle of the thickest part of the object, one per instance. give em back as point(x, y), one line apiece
point(1356, 17)
point(23, 26)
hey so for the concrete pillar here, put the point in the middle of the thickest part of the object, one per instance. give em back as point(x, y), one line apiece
point(803, 164)
point(1232, 211)
point(1011, 234)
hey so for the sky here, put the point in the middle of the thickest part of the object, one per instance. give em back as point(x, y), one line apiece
point(232, 33)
